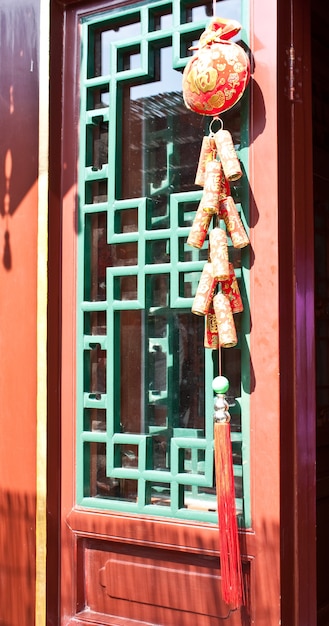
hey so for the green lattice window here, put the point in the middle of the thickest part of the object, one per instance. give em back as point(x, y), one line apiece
point(145, 402)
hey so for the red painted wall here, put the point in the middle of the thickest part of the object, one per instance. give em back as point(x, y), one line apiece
point(18, 278)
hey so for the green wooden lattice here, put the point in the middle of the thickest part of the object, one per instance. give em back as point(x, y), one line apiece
point(162, 467)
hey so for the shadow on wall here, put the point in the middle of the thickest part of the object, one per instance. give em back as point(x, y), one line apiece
point(18, 112)
point(17, 559)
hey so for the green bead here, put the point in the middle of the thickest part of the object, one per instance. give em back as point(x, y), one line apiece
point(220, 384)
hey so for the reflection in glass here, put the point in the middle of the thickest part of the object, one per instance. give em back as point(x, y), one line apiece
point(95, 420)
point(95, 280)
point(157, 129)
point(126, 221)
point(96, 191)
point(97, 143)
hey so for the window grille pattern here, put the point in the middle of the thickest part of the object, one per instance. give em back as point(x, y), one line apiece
point(144, 396)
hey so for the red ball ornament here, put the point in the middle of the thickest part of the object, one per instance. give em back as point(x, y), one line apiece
point(215, 78)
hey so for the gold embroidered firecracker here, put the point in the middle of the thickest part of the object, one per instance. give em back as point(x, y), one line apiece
point(229, 213)
point(219, 253)
point(212, 185)
point(231, 289)
point(224, 190)
point(211, 339)
point(228, 157)
point(207, 153)
point(199, 229)
point(205, 291)
point(226, 328)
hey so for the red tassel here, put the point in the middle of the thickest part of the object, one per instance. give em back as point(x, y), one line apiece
point(231, 569)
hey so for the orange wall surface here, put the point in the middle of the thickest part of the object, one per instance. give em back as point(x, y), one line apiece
point(18, 302)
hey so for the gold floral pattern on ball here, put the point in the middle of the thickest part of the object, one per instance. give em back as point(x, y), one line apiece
point(216, 76)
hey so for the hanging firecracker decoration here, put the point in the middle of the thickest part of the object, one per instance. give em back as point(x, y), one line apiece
point(225, 324)
point(231, 289)
point(214, 80)
point(205, 291)
point(211, 339)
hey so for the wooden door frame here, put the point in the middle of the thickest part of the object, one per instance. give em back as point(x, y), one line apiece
point(297, 354)
point(286, 449)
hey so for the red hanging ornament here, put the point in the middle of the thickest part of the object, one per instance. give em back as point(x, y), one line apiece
point(205, 291)
point(227, 336)
point(216, 76)
point(214, 80)
point(228, 212)
point(211, 338)
point(231, 289)
point(207, 153)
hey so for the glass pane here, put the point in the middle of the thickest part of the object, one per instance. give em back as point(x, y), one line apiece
point(95, 365)
point(98, 258)
point(95, 420)
point(156, 129)
point(95, 323)
point(130, 375)
point(96, 144)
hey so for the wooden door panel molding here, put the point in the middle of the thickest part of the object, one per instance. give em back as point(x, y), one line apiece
point(152, 585)
point(88, 618)
point(183, 559)
point(104, 545)
point(188, 585)
point(190, 537)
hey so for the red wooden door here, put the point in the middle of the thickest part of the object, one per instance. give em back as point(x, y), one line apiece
point(320, 179)
point(121, 564)
point(297, 359)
